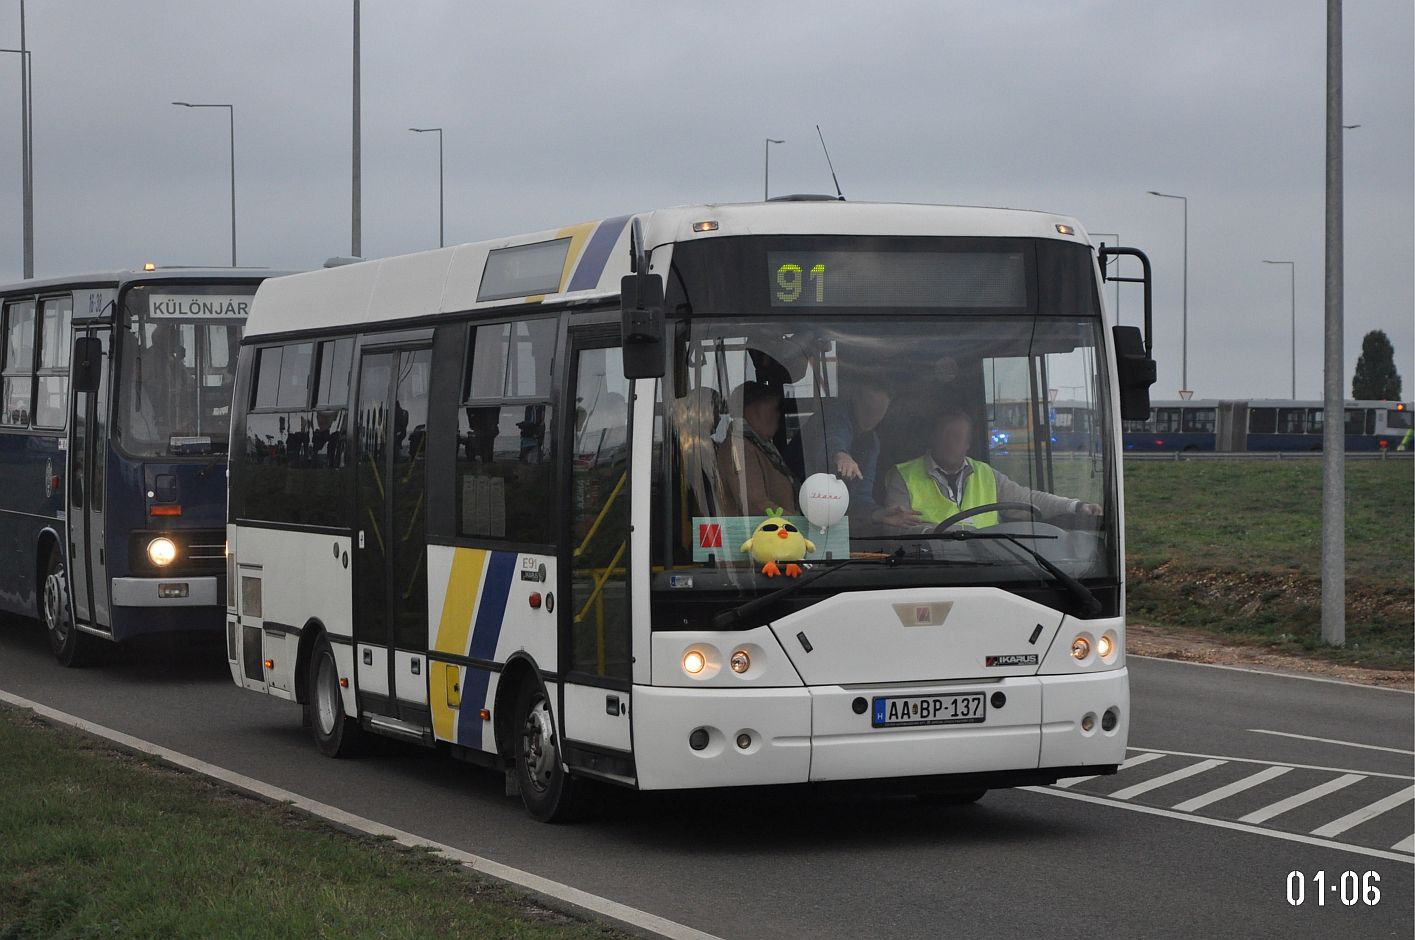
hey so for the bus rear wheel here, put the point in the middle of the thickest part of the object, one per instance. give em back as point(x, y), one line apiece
point(547, 791)
point(71, 646)
point(336, 734)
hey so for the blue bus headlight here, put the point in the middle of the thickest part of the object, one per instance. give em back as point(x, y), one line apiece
point(161, 551)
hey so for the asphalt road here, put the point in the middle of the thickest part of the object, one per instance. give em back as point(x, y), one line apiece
point(1072, 861)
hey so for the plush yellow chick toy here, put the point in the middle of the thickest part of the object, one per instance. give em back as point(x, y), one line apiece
point(777, 540)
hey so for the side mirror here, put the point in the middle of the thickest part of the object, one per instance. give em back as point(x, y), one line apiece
point(642, 325)
point(1135, 373)
point(86, 367)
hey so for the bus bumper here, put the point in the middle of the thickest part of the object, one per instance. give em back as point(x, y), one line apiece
point(165, 592)
point(139, 607)
point(815, 734)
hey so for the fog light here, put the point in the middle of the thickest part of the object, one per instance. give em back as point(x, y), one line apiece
point(694, 662)
point(172, 589)
point(741, 662)
point(1080, 648)
point(1110, 719)
point(161, 552)
point(1088, 723)
point(698, 739)
point(744, 740)
point(1105, 646)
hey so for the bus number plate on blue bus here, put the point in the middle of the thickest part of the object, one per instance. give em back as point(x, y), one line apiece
point(891, 712)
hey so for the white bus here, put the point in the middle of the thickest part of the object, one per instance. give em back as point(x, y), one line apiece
point(524, 500)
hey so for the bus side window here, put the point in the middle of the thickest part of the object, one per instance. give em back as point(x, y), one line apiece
point(18, 364)
point(1262, 421)
point(51, 404)
point(504, 433)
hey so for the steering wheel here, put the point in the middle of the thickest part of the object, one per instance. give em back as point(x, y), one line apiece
point(979, 510)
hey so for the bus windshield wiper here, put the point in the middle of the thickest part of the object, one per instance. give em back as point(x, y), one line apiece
point(1074, 587)
point(730, 618)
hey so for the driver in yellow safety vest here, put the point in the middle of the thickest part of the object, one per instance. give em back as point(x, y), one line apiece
point(945, 481)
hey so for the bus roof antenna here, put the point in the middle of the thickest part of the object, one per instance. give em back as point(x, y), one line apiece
point(838, 194)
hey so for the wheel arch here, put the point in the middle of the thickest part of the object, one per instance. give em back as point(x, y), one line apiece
point(309, 634)
point(47, 541)
point(519, 670)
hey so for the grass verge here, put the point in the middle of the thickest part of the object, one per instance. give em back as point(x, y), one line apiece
point(97, 842)
point(1234, 548)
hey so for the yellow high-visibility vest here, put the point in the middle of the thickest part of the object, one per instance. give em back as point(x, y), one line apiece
point(926, 496)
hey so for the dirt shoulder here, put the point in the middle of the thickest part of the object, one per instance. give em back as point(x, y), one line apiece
point(1195, 646)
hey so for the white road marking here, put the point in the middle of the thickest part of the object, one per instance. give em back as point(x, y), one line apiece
point(1405, 845)
point(1308, 737)
point(554, 892)
point(1337, 826)
point(1225, 824)
point(1274, 763)
point(1275, 675)
point(1301, 799)
point(1155, 783)
point(1135, 761)
point(1227, 790)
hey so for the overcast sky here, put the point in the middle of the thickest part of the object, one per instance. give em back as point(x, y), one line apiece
point(558, 112)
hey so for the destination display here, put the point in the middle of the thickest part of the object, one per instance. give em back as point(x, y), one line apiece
point(199, 306)
point(983, 279)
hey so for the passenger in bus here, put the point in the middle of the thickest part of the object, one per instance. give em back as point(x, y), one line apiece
point(842, 439)
point(945, 481)
point(754, 475)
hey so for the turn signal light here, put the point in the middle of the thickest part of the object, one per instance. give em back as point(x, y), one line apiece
point(1080, 648)
point(740, 662)
point(165, 511)
point(270, 664)
point(343, 682)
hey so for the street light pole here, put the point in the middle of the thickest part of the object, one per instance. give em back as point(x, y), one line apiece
point(766, 171)
point(26, 159)
point(441, 242)
point(1333, 365)
point(1184, 316)
point(1292, 270)
point(231, 113)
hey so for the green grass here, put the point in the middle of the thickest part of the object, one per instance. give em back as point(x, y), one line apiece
point(1234, 547)
point(95, 842)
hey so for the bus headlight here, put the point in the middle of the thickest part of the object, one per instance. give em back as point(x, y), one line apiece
point(1080, 648)
point(694, 662)
point(161, 551)
point(1105, 647)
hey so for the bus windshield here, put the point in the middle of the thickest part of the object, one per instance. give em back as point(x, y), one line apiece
point(801, 440)
point(177, 368)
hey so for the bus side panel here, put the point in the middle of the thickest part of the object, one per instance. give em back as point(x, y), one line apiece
point(314, 585)
point(484, 607)
point(30, 502)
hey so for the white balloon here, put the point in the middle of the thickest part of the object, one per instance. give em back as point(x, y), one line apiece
point(824, 499)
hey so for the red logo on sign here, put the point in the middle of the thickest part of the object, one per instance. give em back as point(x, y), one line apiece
point(710, 535)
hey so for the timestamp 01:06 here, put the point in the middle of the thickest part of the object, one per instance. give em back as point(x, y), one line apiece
point(1349, 887)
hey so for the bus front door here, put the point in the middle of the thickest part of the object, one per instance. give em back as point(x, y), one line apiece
point(88, 446)
point(390, 574)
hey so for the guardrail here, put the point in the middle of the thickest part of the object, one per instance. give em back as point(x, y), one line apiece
point(1175, 456)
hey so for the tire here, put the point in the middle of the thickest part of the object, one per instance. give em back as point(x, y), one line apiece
point(70, 646)
point(962, 798)
point(335, 734)
point(547, 791)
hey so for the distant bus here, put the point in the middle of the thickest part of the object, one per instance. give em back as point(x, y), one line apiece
point(115, 408)
point(1263, 425)
point(490, 499)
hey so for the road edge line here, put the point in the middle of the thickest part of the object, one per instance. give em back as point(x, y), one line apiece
point(1226, 824)
point(1270, 672)
point(555, 893)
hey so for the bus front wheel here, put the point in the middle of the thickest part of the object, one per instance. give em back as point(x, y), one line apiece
point(336, 734)
point(548, 792)
point(70, 645)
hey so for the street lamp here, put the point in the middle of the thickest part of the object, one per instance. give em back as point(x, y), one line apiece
point(231, 113)
point(428, 130)
point(1292, 271)
point(766, 173)
point(26, 157)
point(1184, 316)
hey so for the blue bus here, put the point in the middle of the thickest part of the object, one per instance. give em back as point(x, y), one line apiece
point(115, 412)
point(1284, 425)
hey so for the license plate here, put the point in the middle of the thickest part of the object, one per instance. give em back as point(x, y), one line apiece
point(903, 711)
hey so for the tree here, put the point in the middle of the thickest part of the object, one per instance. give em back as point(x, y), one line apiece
point(1376, 378)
